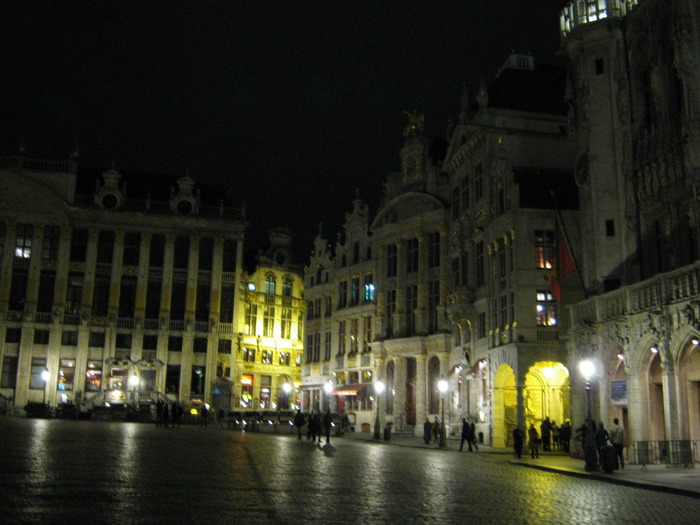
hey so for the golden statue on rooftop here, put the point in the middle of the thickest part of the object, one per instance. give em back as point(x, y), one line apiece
point(415, 124)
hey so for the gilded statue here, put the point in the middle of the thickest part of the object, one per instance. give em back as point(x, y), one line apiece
point(415, 124)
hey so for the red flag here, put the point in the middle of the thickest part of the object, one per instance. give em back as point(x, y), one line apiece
point(564, 264)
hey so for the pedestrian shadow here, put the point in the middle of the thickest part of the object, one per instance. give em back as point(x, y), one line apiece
point(328, 450)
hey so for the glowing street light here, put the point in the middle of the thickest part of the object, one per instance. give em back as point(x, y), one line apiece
point(443, 386)
point(587, 369)
point(328, 387)
point(378, 390)
point(133, 383)
point(287, 389)
point(45, 375)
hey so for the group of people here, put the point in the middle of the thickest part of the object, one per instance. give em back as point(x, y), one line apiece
point(168, 415)
point(431, 431)
point(553, 438)
point(316, 425)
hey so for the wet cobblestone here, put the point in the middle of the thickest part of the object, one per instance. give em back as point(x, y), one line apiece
point(78, 472)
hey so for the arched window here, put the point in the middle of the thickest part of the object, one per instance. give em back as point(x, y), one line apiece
point(287, 286)
point(433, 378)
point(270, 284)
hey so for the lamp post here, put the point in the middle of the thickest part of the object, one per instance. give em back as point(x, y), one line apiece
point(587, 369)
point(378, 390)
point(45, 375)
point(287, 389)
point(133, 383)
point(328, 387)
point(443, 385)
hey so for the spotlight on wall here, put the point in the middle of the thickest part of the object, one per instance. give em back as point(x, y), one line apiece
point(621, 357)
point(654, 350)
point(696, 342)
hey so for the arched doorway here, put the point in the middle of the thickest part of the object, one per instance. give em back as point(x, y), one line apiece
point(657, 422)
point(690, 381)
point(547, 393)
point(221, 396)
point(504, 406)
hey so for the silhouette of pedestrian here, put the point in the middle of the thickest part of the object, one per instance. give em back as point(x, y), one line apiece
point(465, 434)
point(204, 413)
point(166, 415)
point(533, 441)
point(159, 413)
point(472, 436)
point(299, 422)
point(518, 439)
point(175, 414)
point(327, 425)
point(436, 429)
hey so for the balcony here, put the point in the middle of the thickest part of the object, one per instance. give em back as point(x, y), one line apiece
point(582, 12)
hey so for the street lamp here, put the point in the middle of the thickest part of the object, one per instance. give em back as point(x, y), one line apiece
point(442, 387)
point(287, 389)
point(328, 387)
point(378, 390)
point(45, 375)
point(587, 369)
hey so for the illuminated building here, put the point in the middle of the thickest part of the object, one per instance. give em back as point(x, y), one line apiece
point(270, 320)
point(635, 112)
point(124, 293)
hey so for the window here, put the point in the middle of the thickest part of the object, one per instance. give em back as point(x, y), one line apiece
point(465, 194)
point(132, 245)
point(369, 289)
point(286, 324)
point(412, 255)
point(342, 294)
point(225, 346)
point(47, 286)
point(206, 254)
point(355, 291)
point(174, 343)
point(74, 292)
point(41, 337)
point(123, 341)
point(36, 382)
point(433, 303)
point(317, 309)
point(391, 260)
point(269, 321)
point(354, 343)
point(247, 383)
point(66, 375)
point(266, 357)
point(249, 355)
point(433, 249)
point(181, 255)
point(341, 337)
point(481, 325)
point(390, 310)
point(287, 287)
point(284, 358)
point(105, 247)
point(455, 203)
point(203, 300)
point(157, 251)
point(546, 309)
point(199, 375)
point(544, 249)
point(23, 241)
point(479, 263)
point(230, 249)
point(270, 284)
point(78, 245)
point(172, 378)
point(328, 347)
point(367, 333)
point(93, 376)
point(97, 340)
point(9, 372)
point(13, 335)
point(610, 228)
point(70, 338)
point(200, 345)
point(599, 66)
point(127, 296)
point(329, 306)
point(251, 319)
point(150, 342)
point(52, 238)
point(411, 305)
point(317, 347)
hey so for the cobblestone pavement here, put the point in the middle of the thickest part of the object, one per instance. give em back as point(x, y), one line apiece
point(54, 471)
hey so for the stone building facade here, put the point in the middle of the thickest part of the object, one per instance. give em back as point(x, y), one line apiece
point(114, 294)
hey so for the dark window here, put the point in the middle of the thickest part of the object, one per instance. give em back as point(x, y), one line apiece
point(105, 247)
point(123, 341)
point(9, 371)
point(225, 346)
point(100, 296)
point(13, 335)
point(412, 255)
point(206, 253)
point(172, 379)
point(599, 66)
point(78, 245)
point(153, 289)
point(47, 282)
point(433, 249)
point(200, 344)
point(181, 253)
point(41, 337)
point(199, 374)
point(69, 338)
point(391, 260)
point(177, 301)
point(157, 251)
point(175, 343)
point(52, 238)
point(18, 289)
point(150, 342)
point(229, 262)
point(127, 296)
point(74, 292)
point(97, 339)
point(201, 312)
point(132, 248)
point(610, 227)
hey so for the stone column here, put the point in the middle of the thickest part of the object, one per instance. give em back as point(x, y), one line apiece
point(421, 392)
point(670, 393)
point(34, 273)
point(421, 313)
point(400, 314)
point(8, 256)
point(167, 285)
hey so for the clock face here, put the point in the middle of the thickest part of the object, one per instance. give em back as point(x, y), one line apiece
point(582, 169)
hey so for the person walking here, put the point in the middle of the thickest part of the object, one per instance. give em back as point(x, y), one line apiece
point(601, 439)
point(472, 436)
point(436, 429)
point(299, 422)
point(565, 436)
point(166, 415)
point(465, 434)
point(159, 413)
point(618, 438)
point(533, 441)
point(327, 425)
point(315, 427)
point(518, 439)
point(556, 437)
point(175, 414)
point(204, 416)
point(427, 431)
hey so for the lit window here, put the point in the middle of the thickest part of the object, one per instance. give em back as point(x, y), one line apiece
point(546, 309)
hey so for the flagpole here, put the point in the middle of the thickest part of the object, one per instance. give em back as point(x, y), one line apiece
point(560, 219)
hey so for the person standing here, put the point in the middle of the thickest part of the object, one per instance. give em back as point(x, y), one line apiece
point(587, 434)
point(315, 427)
point(176, 414)
point(166, 415)
point(465, 434)
point(546, 428)
point(565, 436)
point(204, 413)
point(533, 441)
point(427, 431)
point(299, 422)
point(601, 439)
point(327, 425)
point(472, 436)
point(618, 439)
point(556, 437)
point(436, 429)
point(518, 439)
point(159, 413)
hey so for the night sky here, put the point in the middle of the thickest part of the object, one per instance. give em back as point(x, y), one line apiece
point(292, 104)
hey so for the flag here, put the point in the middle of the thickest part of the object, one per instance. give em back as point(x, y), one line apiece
point(564, 263)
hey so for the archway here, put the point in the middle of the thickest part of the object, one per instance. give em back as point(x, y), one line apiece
point(504, 406)
point(221, 396)
point(657, 421)
point(689, 368)
point(547, 393)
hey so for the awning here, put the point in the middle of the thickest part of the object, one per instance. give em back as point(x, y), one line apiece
point(475, 367)
point(348, 390)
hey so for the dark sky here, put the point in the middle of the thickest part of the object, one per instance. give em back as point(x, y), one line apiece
point(293, 104)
